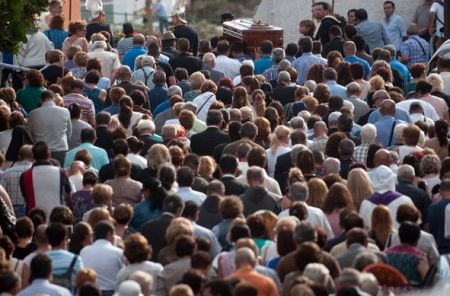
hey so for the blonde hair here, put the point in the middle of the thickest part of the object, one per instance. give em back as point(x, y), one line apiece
point(376, 83)
point(157, 155)
point(247, 243)
point(311, 103)
point(280, 133)
point(295, 175)
point(382, 225)
point(259, 102)
point(181, 290)
point(317, 191)
point(177, 227)
point(436, 81)
point(196, 80)
point(102, 193)
point(360, 186)
point(206, 167)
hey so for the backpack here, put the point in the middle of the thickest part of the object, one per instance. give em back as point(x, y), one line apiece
point(65, 279)
point(7, 219)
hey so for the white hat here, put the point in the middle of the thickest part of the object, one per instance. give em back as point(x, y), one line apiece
point(383, 178)
point(95, 7)
point(129, 288)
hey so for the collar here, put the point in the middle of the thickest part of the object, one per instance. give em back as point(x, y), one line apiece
point(185, 189)
point(42, 162)
point(102, 242)
point(48, 104)
point(228, 176)
point(306, 54)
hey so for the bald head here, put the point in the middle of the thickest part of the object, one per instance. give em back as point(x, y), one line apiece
point(382, 157)
point(387, 107)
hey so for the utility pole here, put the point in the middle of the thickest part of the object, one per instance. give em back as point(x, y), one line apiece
point(447, 19)
point(149, 12)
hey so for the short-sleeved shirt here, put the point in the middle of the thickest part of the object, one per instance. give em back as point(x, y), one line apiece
point(417, 49)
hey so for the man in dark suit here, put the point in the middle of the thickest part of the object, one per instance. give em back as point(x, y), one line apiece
point(209, 210)
point(248, 134)
point(209, 62)
point(284, 92)
point(228, 167)
point(419, 197)
point(185, 59)
point(104, 135)
point(155, 230)
point(336, 41)
point(204, 143)
point(285, 161)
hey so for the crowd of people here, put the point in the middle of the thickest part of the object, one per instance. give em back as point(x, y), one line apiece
point(173, 165)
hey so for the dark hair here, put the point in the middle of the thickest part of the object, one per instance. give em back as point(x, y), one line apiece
point(185, 176)
point(89, 289)
point(218, 287)
point(228, 164)
point(137, 248)
point(75, 111)
point(239, 231)
point(409, 233)
point(181, 74)
point(359, 42)
point(266, 47)
point(214, 117)
point(35, 78)
point(40, 151)
point(120, 146)
point(350, 30)
point(389, 2)
point(441, 130)
point(172, 204)
point(351, 220)
point(92, 76)
point(24, 227)
point(127, 28)
point(102, 229)
point(81, 231)
point(285, 241)
point(185, 246)
point(361, 14)
point(57, 22)
point(443, 62)
point(423, 87)
point(56, 233)
point(38, 216)
point(406, 212)
point(335, 31)
point(190, 209)
point(257, 226)
point(88, 135)
point(200, 260)
point(194, 279)
point(305, 44)
point(356, 70)
point(8, 281)
point(61, 214)
point(338, 197)
point(40, 267)
point(291, 49)
point(126, 111)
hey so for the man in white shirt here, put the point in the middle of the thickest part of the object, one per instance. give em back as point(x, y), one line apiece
point(230, 67)
point(299, 192)
point(103, 257)
point(109, 60)
point(185, 179)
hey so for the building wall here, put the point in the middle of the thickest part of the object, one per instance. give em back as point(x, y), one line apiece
point(288, 13)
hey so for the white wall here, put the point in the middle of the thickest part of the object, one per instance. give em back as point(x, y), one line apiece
point(288, 13)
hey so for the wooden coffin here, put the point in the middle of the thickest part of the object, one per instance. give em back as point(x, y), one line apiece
point(251, 34)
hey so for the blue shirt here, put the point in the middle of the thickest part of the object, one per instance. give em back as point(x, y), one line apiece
point(417, 49)
point(156, 96)
point(161, 9)
point(262, 64)
point(355, 59)
point(395, 28)
point(400, 114)
point(61, 260)
point(337, 89)
point(374, 34)
point(303, 63)
point(57, 36)
point(161, 107)
point(113, 109)
point(99, 155)
point(403, 70)
point(131, 55)
point(44, 287)
point(385, 133)
point(142, 213)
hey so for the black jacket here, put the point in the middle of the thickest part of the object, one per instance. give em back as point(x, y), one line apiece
point(209, 215)
point(335, 44)
point(284, 93)
point(232, 186)
point(323, 32)
point(282, 167)
point(104, 139)
point(204, 143)
point(418, 196)
point(155, 233)
point(259, 198)
point(187, 61)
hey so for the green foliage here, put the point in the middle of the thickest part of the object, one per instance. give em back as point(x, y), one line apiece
point(17, 17)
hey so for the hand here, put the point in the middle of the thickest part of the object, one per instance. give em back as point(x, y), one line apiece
point(423, 266)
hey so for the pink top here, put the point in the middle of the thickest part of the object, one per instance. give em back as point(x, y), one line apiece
point(438, 104)
point(333, 219)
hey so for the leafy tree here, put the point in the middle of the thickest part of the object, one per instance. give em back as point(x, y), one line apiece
point(17, 18)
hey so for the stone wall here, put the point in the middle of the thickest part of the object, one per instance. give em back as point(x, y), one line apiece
point(287, 13)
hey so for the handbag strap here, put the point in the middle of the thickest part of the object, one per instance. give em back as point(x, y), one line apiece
point(420, 44)
point(198, 111)
point(392, 133)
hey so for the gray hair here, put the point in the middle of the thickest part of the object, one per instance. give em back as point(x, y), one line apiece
point(368, 133)
point(353, 88)
point(209, 58)
point(398, 133)
point(297, 122)
point(436, 81)
point(216, 187)
point(305, 232)
point(333, 118)
point(310, 84)
point(144, 280)
point(299, 191)
point(146, 124)
point(369, 283)
point(405, 173)
point(349, 276)
point(284, 76)
point(277, 55)
point(284, 64)
point(255, 173)
point(99, 44)
point(332, 165)
point(317, 272)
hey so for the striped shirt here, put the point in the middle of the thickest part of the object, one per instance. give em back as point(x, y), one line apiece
point(86, 105)
point(61, 261)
